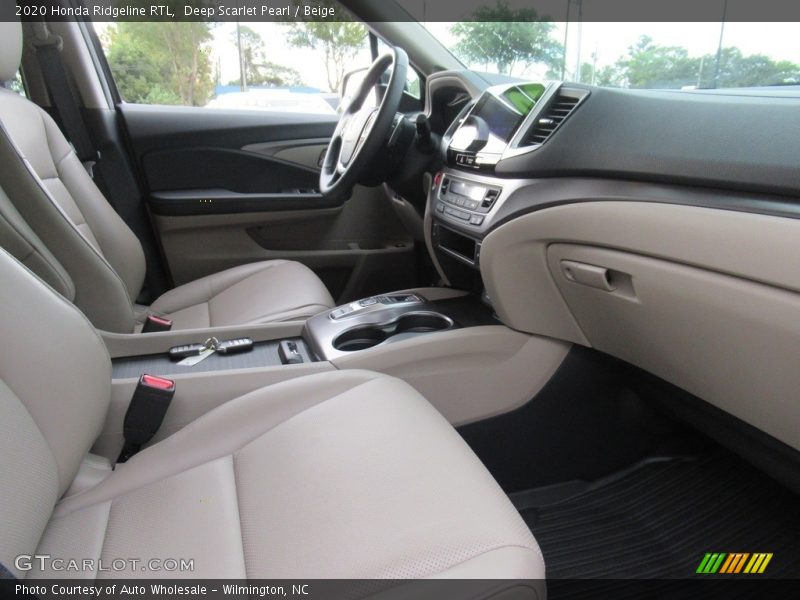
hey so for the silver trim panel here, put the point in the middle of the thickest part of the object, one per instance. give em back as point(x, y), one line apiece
point(321, 331)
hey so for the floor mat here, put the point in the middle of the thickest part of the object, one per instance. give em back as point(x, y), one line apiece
point(659, 520)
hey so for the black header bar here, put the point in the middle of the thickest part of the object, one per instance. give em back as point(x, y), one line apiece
point(404, 10)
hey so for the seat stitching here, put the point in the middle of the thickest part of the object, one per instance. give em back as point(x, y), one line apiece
point(305, 410)
point(217, 285)
point(302, 412)
point(58, 162)
point(55, 272)
point(288, 314)
point(105, 531)
point(34, 250)
point(75, 222)
point(208, 313)
point(238, 509)
point(213, 458)
point(536, 551)
point(47, 139)
point(27, 166)
point(31, 252)
point(58, 298)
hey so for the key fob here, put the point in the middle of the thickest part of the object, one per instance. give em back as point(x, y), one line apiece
point(177, 353)
point(235, 346)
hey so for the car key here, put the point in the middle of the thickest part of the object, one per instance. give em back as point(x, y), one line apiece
point(177, 353)
point(234, 346)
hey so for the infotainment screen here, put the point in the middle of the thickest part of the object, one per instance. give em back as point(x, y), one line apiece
point(501, 118)
point(503, 113)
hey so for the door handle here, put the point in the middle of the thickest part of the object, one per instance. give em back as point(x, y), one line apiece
point(591, 275)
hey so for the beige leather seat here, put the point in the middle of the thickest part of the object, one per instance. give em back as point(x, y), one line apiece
point(344, 475)
point(102, 257)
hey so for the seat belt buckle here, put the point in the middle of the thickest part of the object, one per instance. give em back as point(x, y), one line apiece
point(154, 323)
point(146, 412)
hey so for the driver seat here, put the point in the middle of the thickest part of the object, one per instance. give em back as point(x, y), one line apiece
point(103, 261)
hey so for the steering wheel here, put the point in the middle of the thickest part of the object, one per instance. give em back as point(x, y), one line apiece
point(362, 131)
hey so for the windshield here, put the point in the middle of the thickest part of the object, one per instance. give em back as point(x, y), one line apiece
point(631, 55)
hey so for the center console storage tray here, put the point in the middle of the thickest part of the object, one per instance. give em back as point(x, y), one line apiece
point(263, 354)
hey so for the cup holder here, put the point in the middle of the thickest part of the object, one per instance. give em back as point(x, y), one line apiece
point(421, 323)
point(361, 338)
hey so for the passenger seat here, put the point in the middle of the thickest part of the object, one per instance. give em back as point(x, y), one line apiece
point(349, 474)
point(104, 259)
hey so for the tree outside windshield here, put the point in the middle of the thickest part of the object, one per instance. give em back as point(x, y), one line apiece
point(519, 43)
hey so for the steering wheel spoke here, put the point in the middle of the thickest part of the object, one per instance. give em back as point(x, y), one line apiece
point(343, 124)
point(361, 132)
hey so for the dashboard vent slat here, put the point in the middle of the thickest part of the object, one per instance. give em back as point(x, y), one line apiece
point(558, 110)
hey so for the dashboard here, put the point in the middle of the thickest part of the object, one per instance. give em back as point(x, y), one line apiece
point(655, 226)
point(498, 124)
point(521, 146)
point(502, 122)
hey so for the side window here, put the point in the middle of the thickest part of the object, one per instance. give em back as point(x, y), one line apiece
point(413, 81)
point(278, 66)
point(414, 84)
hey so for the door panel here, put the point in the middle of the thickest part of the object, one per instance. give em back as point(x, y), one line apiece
point(357, 249)
point(308, 153)
point(157, 127)
point(234, 170)
point(229, 187)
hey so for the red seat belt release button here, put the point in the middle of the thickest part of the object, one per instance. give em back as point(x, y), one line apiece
point(146, 412)
point(154, 323)
point(159, 383)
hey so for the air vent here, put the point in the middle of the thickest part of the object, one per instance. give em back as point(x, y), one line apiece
point(560, 107)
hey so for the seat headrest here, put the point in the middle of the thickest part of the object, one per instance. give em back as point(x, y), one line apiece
point(10, 49)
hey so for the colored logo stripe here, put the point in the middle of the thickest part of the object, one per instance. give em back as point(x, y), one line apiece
point(711, 562)
point(732, 558)
point(734, 563)
point(758, 563)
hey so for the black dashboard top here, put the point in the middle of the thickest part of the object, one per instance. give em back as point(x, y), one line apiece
point(741, 142)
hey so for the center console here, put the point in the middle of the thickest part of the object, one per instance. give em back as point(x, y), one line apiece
point(381, 320)
point(386, 319)
point(281, 347)
point(445, 343)
point(467, 197)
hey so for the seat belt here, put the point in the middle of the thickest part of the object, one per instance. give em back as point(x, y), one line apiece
point(48, 52)
point(145, 414)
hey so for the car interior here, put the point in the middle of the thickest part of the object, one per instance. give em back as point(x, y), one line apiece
point(511, 331)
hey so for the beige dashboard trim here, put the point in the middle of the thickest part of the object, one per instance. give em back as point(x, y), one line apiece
point(514, 256)
point(709, 299)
